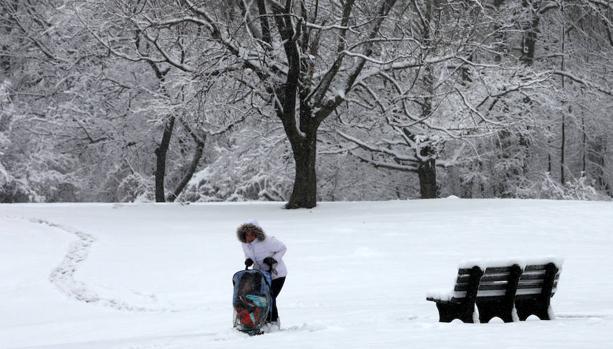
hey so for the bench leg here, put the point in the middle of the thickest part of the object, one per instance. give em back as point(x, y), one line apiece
point(448, 312)
point(490, 310)
point(532, 307)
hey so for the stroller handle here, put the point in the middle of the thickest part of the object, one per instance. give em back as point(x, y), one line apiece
point(270, 268)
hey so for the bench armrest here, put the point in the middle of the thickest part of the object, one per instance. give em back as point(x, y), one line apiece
point(440, 297)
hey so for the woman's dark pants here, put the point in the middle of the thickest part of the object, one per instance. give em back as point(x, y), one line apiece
point(275, 289)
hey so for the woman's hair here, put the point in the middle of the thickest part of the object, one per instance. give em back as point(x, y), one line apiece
point(244, 228)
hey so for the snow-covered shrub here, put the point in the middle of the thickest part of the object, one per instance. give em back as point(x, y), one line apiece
point(343, 177)
point(578, 189)
point(32, 168)
point(227, 180)
point(53, 186)
point(252, 166)
point(135, 187)
point(575, 189)
point(14, 190)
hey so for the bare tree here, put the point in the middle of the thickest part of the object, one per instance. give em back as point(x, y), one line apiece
point(303, 59)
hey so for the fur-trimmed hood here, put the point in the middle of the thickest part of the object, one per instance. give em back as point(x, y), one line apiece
point(245, 227)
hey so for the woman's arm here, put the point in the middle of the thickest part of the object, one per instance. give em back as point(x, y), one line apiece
point(246, 251)
point(277, 248)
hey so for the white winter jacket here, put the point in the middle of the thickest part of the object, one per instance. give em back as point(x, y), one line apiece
point(257, 250)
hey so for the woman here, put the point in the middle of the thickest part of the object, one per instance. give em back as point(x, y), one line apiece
point(264, 253)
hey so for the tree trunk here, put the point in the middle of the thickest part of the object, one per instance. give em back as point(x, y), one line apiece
point(190, 172)
point(583, 147)
point(563, 151)
point(7, 28)
point(427, 179)
point(160, 154)
point(426, 170)
point(563, 137)
point(596, 157)
point(304, 192)
point(530, 32)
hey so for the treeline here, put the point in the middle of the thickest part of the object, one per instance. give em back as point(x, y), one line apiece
point(303, 101)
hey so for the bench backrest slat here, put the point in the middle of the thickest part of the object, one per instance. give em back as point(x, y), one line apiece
point(533, 279)
point(530, 284)
point(499, 281)
point(466, 282)
point(493, 278)
point(498, 270)
point(463, 280)
point(535, 267)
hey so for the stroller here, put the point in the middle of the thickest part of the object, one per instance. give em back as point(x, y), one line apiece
point(251, 300)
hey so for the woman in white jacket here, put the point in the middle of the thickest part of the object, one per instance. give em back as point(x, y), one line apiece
point(264, 253)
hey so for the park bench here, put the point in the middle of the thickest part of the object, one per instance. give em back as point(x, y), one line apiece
point(499, 291)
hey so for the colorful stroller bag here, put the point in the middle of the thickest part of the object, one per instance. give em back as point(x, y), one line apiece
point(251, 300)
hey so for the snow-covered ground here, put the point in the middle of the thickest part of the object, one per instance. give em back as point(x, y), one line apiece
point(159, 275)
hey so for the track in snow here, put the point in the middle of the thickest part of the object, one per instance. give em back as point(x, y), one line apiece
point(63, 276)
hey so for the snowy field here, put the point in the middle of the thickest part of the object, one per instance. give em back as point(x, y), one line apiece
point(148, 276)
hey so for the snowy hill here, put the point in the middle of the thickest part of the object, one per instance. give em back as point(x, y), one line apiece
point(159, 276)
